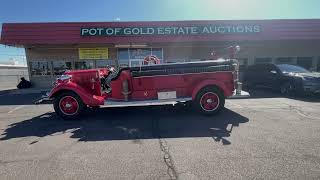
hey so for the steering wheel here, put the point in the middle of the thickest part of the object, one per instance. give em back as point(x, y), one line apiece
point(148, 59)
point(107, 78)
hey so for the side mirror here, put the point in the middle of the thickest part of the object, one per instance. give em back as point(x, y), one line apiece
point(273, 72)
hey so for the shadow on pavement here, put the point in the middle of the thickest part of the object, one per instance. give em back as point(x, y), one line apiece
point(18, 99)
point(131, 123)
point(258, 93)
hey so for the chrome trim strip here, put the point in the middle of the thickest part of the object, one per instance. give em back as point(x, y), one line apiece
point(42, 100)
point(182, 74)
point(113, 103)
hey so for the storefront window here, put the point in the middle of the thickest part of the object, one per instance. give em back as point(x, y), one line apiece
point(88, 64)
point(123, 53)
point(59, 67)
point(284, 60)
point(104, 63)
point(157, 52)
point(139, 53)
point(176, 60)
point(123, 57)
point(305, 62)
point(318, 64)
point(124, 63)
point(263, 60)
point(243, 62)
point(135, 63)
point(194, 60)
point(135, 56)
point(40, 68)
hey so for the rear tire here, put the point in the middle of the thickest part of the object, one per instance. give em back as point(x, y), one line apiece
point(68, 106)
point(209, 100)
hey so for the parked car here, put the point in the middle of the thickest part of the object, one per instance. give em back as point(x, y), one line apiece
point(286, 78)
point(206, 84)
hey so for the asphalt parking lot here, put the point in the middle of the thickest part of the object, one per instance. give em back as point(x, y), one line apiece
point(264, 137)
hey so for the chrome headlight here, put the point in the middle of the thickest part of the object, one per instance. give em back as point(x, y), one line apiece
point(64, 77)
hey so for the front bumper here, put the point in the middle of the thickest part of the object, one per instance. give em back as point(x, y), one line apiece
point(311, 88)
point(44, 99)
point(240, 95)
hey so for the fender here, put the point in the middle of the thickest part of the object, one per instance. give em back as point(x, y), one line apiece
point(87, 98)
point(209, 82)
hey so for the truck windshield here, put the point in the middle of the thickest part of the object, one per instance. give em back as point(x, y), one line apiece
point(287, 68)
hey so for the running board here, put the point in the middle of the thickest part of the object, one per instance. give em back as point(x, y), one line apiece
point(114, 103)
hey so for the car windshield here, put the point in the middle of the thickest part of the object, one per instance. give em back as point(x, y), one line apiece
point(287, 68)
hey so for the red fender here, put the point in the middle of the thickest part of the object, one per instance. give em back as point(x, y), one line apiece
point(87, 98)
point(210, 82)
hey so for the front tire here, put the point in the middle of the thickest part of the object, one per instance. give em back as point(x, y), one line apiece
point(209, 100)
point(68, 105)
point(287, 89)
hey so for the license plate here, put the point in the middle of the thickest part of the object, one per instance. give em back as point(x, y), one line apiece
point(167, 95)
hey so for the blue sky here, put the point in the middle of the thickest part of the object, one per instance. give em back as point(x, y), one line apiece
point(148, 10)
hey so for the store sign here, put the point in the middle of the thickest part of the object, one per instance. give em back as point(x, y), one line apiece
point(172, 30)
point(93, 53)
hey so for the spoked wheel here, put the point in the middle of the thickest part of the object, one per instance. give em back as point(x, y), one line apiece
point(209, 100)
point(68, 105)
point(287, 89)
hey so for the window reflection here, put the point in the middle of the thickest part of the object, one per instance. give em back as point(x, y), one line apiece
point(134, 56)
point(157, 52)
point(104, 63)
point(263, 60)
point(88, 64)
point(40, 68)
point(139, 53)
point(59, 67)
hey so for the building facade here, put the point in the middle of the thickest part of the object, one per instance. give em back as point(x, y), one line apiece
point(51, 48)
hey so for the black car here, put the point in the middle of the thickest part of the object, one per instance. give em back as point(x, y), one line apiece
point(286, 78)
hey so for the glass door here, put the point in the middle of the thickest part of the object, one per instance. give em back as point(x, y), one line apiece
point(137, 56)
point(134, 57)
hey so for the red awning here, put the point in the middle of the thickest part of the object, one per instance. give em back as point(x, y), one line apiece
point(21, 34)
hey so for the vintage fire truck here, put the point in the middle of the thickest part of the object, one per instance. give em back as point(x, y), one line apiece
point(204, 84)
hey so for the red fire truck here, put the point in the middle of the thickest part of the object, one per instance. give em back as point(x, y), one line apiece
point(205, 84)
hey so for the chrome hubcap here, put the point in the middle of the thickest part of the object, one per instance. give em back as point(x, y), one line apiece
point(68, 105)
point(209, 101)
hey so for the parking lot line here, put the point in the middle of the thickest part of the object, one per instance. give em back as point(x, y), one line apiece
point(16, 108)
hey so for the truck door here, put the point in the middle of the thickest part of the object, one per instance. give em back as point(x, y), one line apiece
point(272, 76)
point(256, 75)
